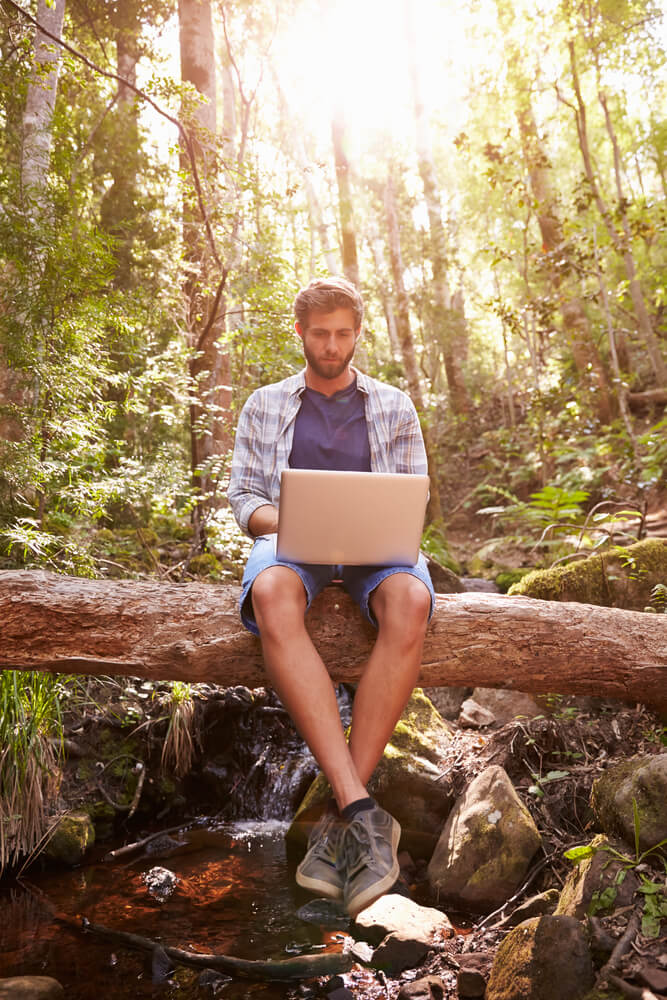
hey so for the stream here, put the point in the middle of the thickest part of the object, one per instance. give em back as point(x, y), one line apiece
point(237, 898)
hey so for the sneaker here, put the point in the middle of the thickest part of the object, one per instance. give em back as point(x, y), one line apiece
point(318, 872)
point(368, 858)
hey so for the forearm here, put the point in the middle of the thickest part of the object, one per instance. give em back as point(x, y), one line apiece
point(264, 520)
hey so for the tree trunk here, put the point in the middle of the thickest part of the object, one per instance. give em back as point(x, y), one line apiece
point(192, 633)
point(348, 235)
point(40, 101)
point(575, 321)
point(623, 247)
point(450, 320)
point(406, 342)
point(209, 366)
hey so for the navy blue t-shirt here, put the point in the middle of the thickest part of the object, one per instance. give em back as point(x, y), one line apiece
point(330, 432)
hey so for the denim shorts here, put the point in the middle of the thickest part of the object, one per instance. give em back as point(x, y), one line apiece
point(359, 581)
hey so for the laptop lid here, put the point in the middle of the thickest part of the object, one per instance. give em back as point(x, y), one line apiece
point(351, 518)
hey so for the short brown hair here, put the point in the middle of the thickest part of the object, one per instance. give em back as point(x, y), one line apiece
point(325, 295)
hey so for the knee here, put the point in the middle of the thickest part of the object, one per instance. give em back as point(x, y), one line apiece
point(404, 606)
point(278, 601)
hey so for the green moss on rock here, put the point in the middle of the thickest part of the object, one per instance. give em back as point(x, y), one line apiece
point(640, 781)
point(621, 577)
point(71, 837)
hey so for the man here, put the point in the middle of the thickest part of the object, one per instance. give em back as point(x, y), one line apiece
point(331, 416)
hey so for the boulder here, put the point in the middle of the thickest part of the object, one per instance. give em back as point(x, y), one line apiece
point(506, 705)
point(598, 884)
point(31, 988)
point(426, 988)
point(474, 716)
point(447, 700)
point(545, 958)
point(535, 906)
point(404, 782)
point(473, 974)
point(73, 835)
point(396, 914)
point(397, 952)
point(614, 579)
point(486, 846)
point(644, 780)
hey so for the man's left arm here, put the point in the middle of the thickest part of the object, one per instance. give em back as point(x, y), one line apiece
point(408, 444)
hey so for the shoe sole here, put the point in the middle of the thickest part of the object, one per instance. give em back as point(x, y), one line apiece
point(318, 886)
point(373, 892)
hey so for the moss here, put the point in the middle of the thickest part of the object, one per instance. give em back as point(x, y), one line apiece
point(73, 834)
point(614, 579)
point(508, 577)
point(205, 564)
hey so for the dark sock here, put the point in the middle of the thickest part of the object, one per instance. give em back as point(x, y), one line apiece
point(332, 807)
point(349, 812)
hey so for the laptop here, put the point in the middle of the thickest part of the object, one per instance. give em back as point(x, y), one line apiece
point(351, 518)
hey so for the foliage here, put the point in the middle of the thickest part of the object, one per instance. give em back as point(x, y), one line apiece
point(30, 732)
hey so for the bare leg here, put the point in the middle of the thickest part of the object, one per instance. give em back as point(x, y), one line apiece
point(401, 605)
point(300, 678)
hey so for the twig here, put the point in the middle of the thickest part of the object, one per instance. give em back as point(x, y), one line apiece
point(622, 946)
point(298, 967)
point(632, 992)
point(122, 852)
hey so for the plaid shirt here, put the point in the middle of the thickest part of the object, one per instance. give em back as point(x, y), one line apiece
point(266, 429)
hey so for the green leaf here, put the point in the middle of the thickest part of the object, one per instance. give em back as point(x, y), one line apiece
point(578, 854)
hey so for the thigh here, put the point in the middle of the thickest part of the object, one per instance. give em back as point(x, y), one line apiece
point(263, 556)
point(362, 581)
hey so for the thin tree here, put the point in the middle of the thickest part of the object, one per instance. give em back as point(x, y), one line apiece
point(348, 234)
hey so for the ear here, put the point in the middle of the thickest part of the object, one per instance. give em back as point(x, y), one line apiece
point(299, 329)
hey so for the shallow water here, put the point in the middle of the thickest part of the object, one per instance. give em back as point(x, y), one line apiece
point(235, 897)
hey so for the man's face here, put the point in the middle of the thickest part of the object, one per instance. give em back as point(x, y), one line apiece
point(329, 341)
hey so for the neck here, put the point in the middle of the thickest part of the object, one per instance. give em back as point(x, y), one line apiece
point(328, 386)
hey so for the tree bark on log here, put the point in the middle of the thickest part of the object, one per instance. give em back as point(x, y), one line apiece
point(191, 632)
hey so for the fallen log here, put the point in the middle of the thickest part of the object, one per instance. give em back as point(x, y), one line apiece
point(191, 632)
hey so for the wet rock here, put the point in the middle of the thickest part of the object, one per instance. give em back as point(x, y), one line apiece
point(325, 913)
point(506, 705)
point(545, 958)
point(448, 700)
point(473, 716)
point(643, 779)
point(473, 974)
point(31, 988)
point(403, 782)
point(399, 951)
point(160, 883)
point(426, 988)
point(396, 914)
point(536, 906)
point(71, 838)
point(486, 846)
point(597, 884)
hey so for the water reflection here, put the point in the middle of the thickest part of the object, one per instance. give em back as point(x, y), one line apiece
point(234, 895)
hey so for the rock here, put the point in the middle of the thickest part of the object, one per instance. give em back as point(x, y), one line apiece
point(31, 988)
point(396, 914)
point(399, 951)
point(473, 973)
point(160, 883)
point(618, 580)
point(426, 988)
point(448, 700)
point(536, 906)
point(597, 884)
point(486, 846)
point(444, 580)
point(506, 705)
point(643, 779)
point(478, 585)
point(403, 782)
point(545, 958)
point(473, 716)
point(654, 978)
point(72, 836)
point(342, 993)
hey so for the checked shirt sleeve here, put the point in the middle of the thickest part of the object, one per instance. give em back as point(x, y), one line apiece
point(409, 450)
point(248, 488)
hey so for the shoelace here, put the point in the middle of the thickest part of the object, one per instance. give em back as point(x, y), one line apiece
point(325, 841)
point(356, 853)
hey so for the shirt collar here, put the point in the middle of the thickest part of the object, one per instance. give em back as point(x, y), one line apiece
point(297, 383)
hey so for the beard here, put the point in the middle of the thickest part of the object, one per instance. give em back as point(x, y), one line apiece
point(329, 369)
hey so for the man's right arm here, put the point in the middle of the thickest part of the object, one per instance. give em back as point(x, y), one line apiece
point(264, 521)
point(248, 493)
